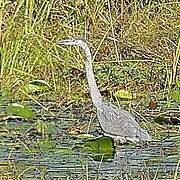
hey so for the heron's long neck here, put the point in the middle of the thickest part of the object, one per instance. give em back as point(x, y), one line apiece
point(93, 88)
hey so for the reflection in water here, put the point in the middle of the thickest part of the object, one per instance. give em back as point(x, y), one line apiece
point(56, 154)
point(155, 160)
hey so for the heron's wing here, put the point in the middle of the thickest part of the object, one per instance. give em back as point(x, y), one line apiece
point(119, 122)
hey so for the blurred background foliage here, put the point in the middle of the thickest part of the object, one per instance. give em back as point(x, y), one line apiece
point(135, 46)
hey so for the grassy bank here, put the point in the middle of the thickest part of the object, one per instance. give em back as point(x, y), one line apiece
point(135, 45)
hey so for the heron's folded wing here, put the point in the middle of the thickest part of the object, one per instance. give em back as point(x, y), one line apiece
point(119, 122)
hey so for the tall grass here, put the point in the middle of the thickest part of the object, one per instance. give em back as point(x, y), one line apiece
point(122, 34)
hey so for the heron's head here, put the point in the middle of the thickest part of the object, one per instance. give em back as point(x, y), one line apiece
point(74, 41)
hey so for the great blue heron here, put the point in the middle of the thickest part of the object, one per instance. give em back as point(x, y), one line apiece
point(115, 123)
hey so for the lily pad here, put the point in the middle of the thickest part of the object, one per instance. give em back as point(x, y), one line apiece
point(46, 145)
point(64, 150)
point(123, 94)
point(37, 86)
point(40, 83)
point(20, 110)
point(101, 149)
point(102, 145)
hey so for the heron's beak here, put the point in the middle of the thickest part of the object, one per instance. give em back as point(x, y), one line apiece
point(67, 41)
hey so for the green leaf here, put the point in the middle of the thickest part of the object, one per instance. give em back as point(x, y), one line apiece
point(64, 150)
point(101, 149)
point(178, 83)
point(44, 128)
point(85, 136)
point(101, 145)
point(46, 145)
point(161, 120)
point(123, 94)
point(1, 99)
point(19, 110)
point(40, 83)
point(175, 95)
point(37, 86)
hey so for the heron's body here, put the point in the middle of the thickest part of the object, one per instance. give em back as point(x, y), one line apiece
point(116, 123)
point(120, 124)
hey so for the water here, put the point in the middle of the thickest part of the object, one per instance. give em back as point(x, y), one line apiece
point(26, 153)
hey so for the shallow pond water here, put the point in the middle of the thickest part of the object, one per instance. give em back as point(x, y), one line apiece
point(41, 148)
